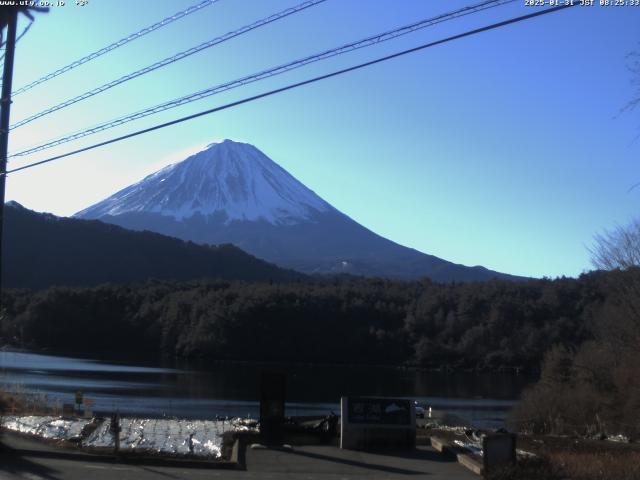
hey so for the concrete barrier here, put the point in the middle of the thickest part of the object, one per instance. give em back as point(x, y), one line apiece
point(465, 459)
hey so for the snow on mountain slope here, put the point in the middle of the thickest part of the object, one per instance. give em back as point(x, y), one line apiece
point(230, 178)
point(233, 193)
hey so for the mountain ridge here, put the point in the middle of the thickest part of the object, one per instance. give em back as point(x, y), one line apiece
point(42, 250)
point(231, 192)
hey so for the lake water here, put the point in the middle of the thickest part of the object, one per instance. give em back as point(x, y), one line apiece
point(206, 390)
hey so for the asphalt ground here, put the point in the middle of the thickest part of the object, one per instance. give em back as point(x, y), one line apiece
point(22, 458)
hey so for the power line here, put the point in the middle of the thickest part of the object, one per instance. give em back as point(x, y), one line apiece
point(119, 43)
point(382, 37)
point(26, 29)
point(22, 34)
point(296, 85)
point(172, 59)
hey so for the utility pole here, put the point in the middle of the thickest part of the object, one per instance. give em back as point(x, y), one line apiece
point(5, 108)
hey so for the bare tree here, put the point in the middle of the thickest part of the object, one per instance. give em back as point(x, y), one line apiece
point(619, 322)
point(618, 248)
point(633, 65)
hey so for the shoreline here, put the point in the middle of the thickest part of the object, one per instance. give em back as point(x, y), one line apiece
point(117, 357)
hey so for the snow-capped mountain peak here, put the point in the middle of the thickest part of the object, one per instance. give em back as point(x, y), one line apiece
point(229, 178)
point(231, 192)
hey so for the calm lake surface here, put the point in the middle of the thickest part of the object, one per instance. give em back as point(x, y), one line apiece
point(201, 390)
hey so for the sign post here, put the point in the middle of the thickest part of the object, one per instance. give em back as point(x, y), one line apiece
point(78, 400)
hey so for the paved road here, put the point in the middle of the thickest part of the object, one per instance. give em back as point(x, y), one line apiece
point(26, 459)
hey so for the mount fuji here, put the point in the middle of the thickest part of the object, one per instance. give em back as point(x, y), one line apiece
point(231, 192)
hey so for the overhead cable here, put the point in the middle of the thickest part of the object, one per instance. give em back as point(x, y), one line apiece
point(293, 86)
point(280, 69)
point(129, 38)
point(169, 60)
point(22, 34)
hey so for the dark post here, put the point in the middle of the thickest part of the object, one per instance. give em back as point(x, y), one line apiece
point(115, 431)
point(78, 401)
point(499, 451)
point(5, 107)
point(272, 395)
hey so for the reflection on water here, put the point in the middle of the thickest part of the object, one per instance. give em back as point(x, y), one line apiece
point(206, 390)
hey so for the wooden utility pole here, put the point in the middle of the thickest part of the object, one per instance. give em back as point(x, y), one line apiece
point(5, 108)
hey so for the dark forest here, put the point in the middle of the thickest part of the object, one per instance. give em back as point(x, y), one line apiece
point(490, 325)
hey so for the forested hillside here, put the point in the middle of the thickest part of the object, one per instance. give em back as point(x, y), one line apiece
point(41, 250)
point(481, 325)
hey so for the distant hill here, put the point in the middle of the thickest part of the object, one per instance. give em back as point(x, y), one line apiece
point(41, 250)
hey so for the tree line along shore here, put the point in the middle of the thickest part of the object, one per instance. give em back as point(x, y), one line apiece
point(582, 336)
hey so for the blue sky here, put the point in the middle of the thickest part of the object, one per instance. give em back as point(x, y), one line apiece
point(506, 149)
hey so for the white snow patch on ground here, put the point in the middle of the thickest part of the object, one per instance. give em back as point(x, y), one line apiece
point(46, 427)
point(201, 438)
